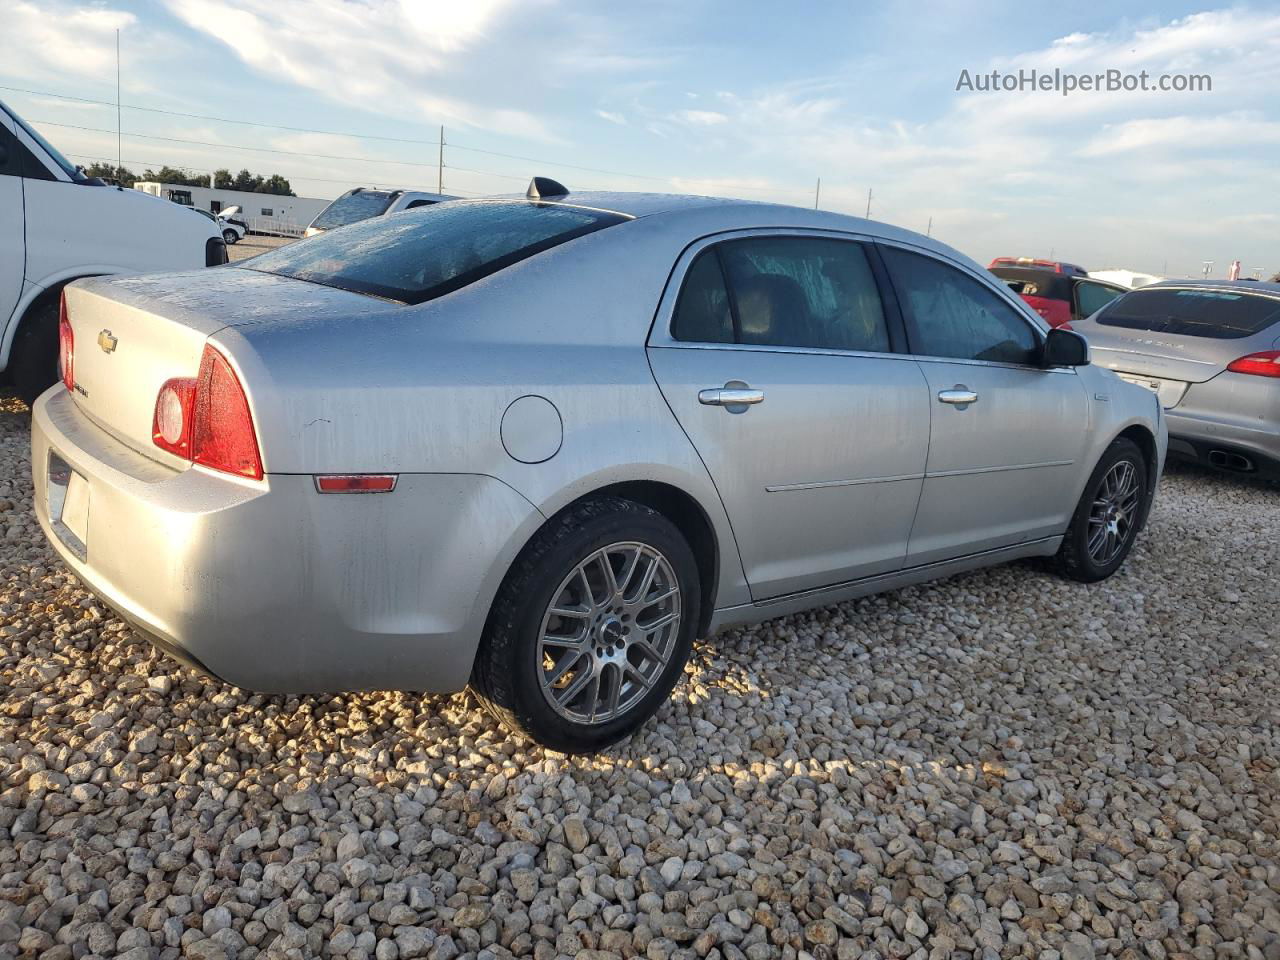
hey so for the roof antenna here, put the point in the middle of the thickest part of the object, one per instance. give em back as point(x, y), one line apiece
point(542, 187)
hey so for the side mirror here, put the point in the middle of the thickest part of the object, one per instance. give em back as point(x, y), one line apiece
point(1064, 348)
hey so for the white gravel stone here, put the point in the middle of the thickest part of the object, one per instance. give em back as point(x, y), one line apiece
point(1002, 764)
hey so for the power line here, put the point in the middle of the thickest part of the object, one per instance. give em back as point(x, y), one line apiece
point(338, 133)
point(202, 116)
point(237, 146)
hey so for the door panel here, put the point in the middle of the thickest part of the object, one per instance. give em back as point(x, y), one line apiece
point(822, 477)
point(12, 228)
point(1001, 470)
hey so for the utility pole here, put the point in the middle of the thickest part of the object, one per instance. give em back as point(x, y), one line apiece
point(119, 135)
point(928, 231)
point(817, 192)
point(868, 203)
point(440, 166)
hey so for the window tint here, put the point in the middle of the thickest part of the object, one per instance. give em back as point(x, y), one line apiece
point(804, 292)
point(438, 250)
point(702, 312)
point(352, 208)
point(949, 314)
point(1215, 314)
point(1092, 297)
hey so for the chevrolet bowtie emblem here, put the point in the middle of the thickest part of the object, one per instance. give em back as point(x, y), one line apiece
point(107, 342)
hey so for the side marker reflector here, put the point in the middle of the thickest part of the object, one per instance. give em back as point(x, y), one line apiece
point(356, 483)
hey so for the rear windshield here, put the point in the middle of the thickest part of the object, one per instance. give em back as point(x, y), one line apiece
point(1035, 283)
point(432, 251)
point(352, 208)
point(1215, 314)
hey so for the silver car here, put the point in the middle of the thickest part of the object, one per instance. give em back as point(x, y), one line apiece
point(539, 444)
point(1211, 352)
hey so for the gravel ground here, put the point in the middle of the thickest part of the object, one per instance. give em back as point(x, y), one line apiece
point(252, 245)
point(1003, 764)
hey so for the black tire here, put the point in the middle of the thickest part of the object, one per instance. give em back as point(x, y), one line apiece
point(230, 236)
point(1074, 559)
point(508, 667)
point(33, 361)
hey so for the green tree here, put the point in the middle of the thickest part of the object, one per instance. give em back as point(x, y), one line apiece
point(278, 185)
point(121, 176)
point(168, 174)
point(222, 179)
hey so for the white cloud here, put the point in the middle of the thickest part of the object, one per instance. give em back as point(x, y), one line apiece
point(392, 57)
point(700, 118)
point(612, 117)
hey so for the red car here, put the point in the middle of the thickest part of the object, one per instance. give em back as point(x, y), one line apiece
point(1059, 292)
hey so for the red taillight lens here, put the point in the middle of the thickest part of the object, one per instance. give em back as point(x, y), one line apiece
point(1266, 363)
point(66, 347)
point(206, 419)
point(1056, 312)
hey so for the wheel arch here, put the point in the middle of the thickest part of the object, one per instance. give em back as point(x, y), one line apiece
point(677, 506)
point(29, 307)
point(1146, 442)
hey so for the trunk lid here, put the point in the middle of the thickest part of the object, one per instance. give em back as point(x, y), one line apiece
point(134, 333)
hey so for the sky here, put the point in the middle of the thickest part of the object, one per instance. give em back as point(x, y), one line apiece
point(756, 100)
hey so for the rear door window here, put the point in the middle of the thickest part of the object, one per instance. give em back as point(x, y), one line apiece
point(950, 314)
point(783, 291)
point(438, 250)
point(1213, 314)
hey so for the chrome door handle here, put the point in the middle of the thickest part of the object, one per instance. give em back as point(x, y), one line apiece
point(730, 397)
point(959, 395)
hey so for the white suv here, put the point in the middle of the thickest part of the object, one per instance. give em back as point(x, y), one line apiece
point(57, 225)
point(363, 203)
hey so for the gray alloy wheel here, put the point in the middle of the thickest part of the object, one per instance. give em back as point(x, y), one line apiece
point(1114, 512)
point(609, 632)
point(230, 236)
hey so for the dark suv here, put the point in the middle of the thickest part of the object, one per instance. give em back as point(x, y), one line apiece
point(1059, 292)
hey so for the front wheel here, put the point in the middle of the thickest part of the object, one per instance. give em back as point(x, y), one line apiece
point(230, 236)
point(592, 627)
point(1106, 520)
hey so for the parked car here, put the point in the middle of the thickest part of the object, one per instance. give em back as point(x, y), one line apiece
point(589, 428)
point(232, 231)
point(56, 225)
point(1062, 293)
point(363, 203)
point(1211, 352)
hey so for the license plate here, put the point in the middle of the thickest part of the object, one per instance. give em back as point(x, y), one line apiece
point(69, 506)
point(1152, 385)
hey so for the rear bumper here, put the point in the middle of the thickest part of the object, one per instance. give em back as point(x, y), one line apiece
point(274, 587)
point(1232, 414)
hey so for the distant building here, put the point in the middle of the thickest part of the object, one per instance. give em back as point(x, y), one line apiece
point(1126, 278)
point(261, 212)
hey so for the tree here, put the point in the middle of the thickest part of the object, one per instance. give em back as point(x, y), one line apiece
point(168, 174)
point(222, 179)
point(278, 185)
point(121, 176)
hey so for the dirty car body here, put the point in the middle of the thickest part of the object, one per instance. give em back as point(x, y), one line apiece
point(582, 357)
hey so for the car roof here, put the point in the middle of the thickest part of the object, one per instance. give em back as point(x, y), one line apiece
point(1261, 288)
point(713, 214)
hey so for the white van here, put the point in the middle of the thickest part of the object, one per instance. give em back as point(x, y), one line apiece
point(365, 202)
point(57, 225)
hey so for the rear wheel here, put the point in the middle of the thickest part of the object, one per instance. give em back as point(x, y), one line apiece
point(1106, 520)
point(33, 360)
point(592, 627)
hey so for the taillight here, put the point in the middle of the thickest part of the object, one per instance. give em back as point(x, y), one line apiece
point(66, 347)
point(206, 419)
point(1265, 363)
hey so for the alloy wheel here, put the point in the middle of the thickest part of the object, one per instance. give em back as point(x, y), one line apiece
point(1114, 512)
point(609, 632)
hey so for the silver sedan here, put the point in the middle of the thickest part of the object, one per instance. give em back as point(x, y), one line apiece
point(1211, 352)
point(541, 443)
